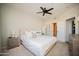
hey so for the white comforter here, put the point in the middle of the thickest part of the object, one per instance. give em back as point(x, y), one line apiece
point(40, 45)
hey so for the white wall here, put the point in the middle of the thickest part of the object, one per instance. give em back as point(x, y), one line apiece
point(13, 21)
point(62, 23)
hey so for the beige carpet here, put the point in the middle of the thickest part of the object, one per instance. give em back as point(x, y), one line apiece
point(60, 49)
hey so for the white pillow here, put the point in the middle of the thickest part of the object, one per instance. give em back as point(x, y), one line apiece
point(38, 33)
point(29, 34)
point(34, 35)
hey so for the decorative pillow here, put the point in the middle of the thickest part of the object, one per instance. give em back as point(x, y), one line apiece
point(38, 33)
point(34, 35)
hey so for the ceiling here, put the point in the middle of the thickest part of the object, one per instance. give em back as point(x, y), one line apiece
point(32, 8)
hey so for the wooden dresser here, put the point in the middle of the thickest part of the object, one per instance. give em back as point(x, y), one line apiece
point(74, 45)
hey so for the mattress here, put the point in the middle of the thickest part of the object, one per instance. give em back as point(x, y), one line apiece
point(39, 46)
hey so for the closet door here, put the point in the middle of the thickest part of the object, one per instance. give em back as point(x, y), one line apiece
point(0, 41)
point(0, 32)
point(78, 26)
point(0, 35)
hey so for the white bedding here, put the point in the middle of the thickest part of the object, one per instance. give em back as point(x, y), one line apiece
point(39, 45)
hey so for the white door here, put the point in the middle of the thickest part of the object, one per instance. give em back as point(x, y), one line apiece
point(68, 29)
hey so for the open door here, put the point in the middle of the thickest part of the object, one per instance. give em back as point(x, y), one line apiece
point(54, 29)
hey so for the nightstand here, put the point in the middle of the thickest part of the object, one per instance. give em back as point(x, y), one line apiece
point(13, 42)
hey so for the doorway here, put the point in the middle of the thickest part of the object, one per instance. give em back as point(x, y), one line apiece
point(70, 27)
point(54, 29)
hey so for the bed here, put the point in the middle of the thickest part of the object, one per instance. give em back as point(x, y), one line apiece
point(39, 45)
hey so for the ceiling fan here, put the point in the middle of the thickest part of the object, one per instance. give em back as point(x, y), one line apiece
point(45, 11)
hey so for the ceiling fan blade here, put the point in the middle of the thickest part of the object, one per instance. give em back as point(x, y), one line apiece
point(43, 13)
point(49, 13)
point(42, 8)
point(50, 9)
point(39, 12)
